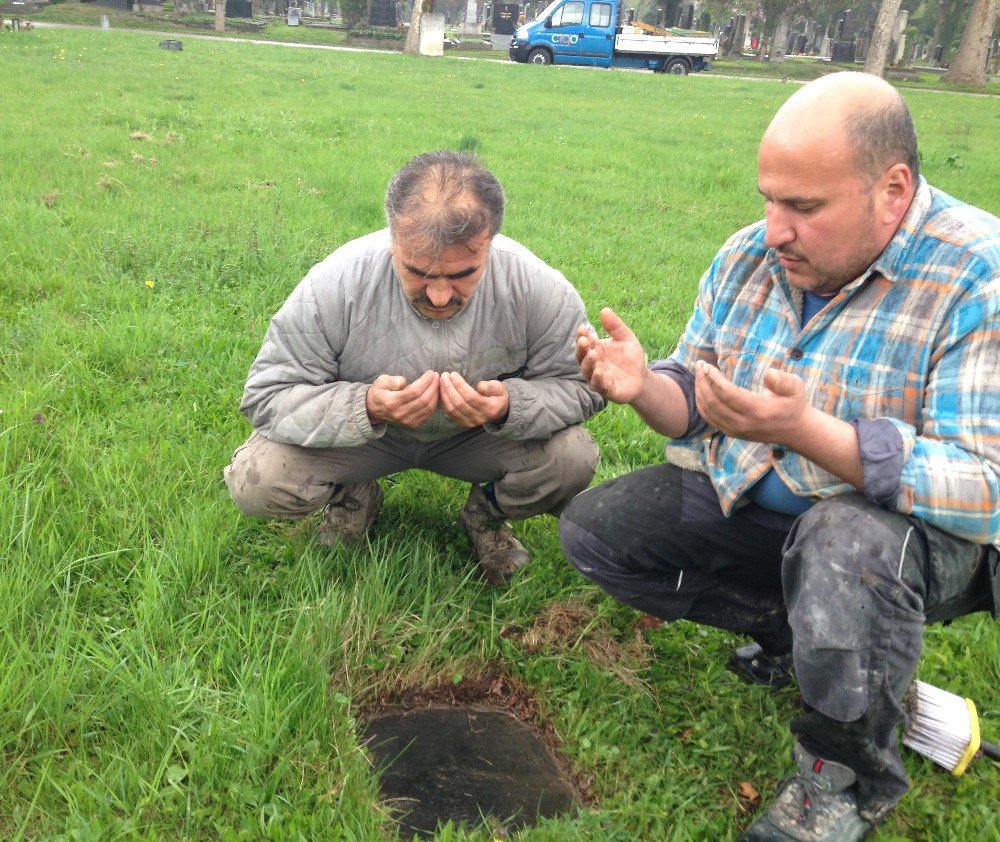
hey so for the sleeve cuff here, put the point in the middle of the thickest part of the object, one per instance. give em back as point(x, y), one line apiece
point(365, 427)
point(512, 426)
point(880, 445)
point(685, 379)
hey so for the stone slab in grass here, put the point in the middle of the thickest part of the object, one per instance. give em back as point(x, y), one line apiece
point(465, 765)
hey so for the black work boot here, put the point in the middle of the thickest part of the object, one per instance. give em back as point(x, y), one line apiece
point(754, 667)
point(816, 804)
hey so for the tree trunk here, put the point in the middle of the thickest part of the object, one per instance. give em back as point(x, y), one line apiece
point(412, 45)
point(780, 37)
point(941, 9)
point(257, 8)
point(878, 50)
point(969, 66)
point(220, 15)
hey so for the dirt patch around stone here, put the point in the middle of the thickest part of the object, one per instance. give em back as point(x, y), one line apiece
point(571, 625)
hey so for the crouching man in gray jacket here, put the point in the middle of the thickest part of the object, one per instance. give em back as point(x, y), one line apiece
point(437, 344)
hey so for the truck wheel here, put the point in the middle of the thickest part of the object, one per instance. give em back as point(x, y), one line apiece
point(677, 66)
point(539, 56)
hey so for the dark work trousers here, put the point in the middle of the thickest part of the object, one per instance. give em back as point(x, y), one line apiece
point(847, 587)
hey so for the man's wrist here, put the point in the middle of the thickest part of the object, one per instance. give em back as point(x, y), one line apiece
point(810, 427)
point(373, 416)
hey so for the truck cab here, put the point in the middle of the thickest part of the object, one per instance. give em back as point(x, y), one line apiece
point(592, 33)
point(570, 31)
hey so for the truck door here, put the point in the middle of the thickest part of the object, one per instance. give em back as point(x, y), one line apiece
point(598, 45)
point(564, 30)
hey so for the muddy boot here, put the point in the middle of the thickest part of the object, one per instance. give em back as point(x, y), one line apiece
point(499, 553)
point(348, 520)
point(817, 804)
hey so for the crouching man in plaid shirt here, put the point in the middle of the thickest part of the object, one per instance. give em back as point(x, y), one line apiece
point(834, 411)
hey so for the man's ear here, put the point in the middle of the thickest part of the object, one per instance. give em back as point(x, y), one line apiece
point(896, 188)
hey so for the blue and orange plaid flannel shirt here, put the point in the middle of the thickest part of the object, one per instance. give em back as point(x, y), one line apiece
point(915, 340)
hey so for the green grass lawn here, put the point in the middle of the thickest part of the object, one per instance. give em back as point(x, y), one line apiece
point(173, 670)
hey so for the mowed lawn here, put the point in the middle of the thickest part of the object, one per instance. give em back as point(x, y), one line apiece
point(172, 670)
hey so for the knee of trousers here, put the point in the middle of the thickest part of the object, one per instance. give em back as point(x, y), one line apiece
point(591, 557)
point(852, 605)
point(579, 530)
point(596, 561)
point(260, 488)
point(562, 467)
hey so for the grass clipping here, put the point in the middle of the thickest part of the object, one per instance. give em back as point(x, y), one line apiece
point(572, 626)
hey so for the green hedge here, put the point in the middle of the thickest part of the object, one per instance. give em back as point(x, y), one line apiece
point(377, 33)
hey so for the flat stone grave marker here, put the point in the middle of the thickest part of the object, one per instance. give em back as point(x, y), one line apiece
point(465, 764)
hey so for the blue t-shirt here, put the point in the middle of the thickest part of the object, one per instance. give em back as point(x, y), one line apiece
point(770, 490)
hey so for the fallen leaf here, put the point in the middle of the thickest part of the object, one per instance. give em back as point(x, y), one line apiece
point(749, 798)
point(646, 622)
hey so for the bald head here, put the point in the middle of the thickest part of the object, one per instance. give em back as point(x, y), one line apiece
point(857, 115)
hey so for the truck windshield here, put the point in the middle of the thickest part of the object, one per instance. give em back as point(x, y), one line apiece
point(548, 10)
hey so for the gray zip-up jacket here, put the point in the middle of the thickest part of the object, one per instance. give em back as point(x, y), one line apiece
point(348, 321)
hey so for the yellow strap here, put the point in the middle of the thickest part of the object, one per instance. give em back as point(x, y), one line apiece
point(973, 747)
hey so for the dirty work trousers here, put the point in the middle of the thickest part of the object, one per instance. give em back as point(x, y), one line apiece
point(846, 587)
point(271, 479)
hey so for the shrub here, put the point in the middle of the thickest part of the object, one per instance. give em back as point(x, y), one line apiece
point(377, 33)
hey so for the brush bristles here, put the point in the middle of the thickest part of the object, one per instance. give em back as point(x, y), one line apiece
point(938, 725)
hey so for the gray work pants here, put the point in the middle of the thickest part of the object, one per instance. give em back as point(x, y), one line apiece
point(276, 480)
point(847, 587)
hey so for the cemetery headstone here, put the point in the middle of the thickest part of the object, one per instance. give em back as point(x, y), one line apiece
point(842, 51)
point(383, 13)
point(432, 35)
point(504, 24)
point(505, 18)
point(471, 25)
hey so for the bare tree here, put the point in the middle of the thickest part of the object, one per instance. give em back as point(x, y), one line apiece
point(420, 8)
point(220, 15)
point(878, 51)
point(948, 16)
point(969, 66)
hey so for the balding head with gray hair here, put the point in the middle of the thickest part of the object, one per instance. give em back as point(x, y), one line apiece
point(442, 199)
